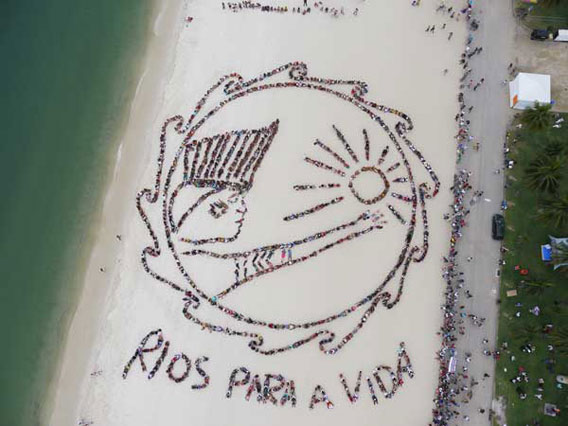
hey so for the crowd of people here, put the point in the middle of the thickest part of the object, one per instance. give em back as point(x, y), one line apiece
point(144, 348)
point(449, 381)
point(235, 87)
point(170, 370)
point(455, 384)
point(404, 366)
point(305, 8)
point(274, 389)
point(452, 382)
point(320, 396)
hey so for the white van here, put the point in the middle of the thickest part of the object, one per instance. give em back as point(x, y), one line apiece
point(560, 35)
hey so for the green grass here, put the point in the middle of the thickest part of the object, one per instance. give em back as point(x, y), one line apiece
point(525, 233)
point(555, 16)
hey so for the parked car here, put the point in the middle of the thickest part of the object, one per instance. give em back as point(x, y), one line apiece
point(560, 35)
point(540, 35)
point(498, 227)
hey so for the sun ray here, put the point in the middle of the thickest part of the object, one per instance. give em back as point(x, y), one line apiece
point(396, 214)
point(345, 144)
point(383, 155)
point(393, 167)
point(400, 180)
point(402, 197)
point(313, 209)
point(367, 144)
point(320, 186)
point(332, 152)
point(324, 166)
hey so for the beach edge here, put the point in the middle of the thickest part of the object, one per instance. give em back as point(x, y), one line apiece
point(84, 319)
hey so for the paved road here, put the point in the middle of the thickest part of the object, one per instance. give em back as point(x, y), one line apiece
point(489, 120)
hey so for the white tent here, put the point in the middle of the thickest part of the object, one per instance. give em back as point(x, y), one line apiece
point(527, 89)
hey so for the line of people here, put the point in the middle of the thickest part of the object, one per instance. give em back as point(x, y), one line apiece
point(455, 385)
point(305, 9)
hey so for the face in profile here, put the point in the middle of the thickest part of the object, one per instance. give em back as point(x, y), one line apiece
point(203, 215)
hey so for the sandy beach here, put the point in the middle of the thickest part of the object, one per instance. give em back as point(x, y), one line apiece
point(116, 212)
point(319, 240)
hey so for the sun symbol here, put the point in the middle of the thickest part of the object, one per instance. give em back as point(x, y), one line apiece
point(369, 179)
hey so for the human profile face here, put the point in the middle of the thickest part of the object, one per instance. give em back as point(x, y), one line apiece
point(204, 215)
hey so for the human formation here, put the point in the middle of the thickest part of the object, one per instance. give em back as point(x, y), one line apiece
point(453, 385)
point(280, 391)
point(272, 388)
point(234, 88)
point(173, 368)
point(373, 381)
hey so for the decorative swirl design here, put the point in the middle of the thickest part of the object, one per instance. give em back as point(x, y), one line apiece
point(298, 71)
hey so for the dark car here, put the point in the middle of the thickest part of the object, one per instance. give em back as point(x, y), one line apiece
point(498, 227)
point(540, 35)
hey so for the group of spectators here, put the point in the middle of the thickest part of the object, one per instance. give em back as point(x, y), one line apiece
point(455, 384)
point(306, 8)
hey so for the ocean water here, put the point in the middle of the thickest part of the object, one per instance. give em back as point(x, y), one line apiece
point(68, 71)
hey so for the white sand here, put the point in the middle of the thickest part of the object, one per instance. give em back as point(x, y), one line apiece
point(385, 46)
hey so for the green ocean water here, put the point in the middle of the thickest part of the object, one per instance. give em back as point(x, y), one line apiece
point(67, 75)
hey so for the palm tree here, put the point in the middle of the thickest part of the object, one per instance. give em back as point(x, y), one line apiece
point(559, 338)
point(555, 146)
point(560, 255)
point(549, 3)
point(544, 173)
point(537, 118)
point(536, 287)
point(554, 211)
point(526, 333)
point(559, 309)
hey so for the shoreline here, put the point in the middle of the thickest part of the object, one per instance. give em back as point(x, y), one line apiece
point(60, 403)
